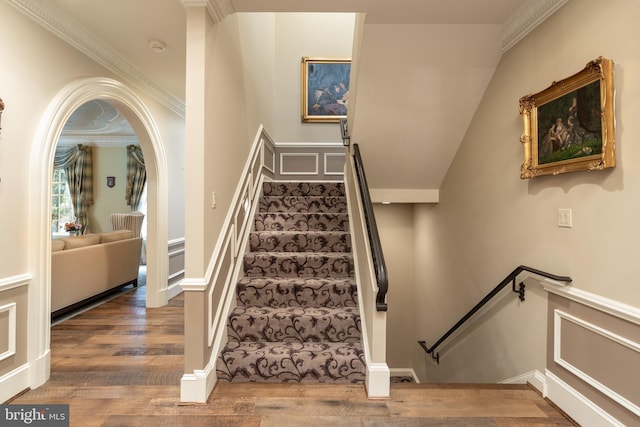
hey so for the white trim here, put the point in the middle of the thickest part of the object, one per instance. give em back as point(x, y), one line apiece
point(557, 355)
point(175, 242)
point(47, 15)
point(377, 380)
point(576, 405)
point(196, 387)
point(526, 19)
point(283, 155)
point(606, 305)
point(535, 378)
point(313, 145)
point(174, 276)
point(50, 126)
point(174, 289)
point(214, 316)
point(14, 382)
point(404, 195)
point(174, 254)
point(40, 369)
point(194, 284)
point(12, 282)
point(11, 330)
point(326, 155)
point(266, 148)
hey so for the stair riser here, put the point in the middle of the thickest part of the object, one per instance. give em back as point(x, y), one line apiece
point(294, 325)
point(303, 204)
point(301, 222)
point(315, 363)
point(299, 242)
point(303, 189)
point(283, 294)
point(270, 264)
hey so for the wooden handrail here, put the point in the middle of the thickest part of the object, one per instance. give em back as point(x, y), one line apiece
point(372, 230)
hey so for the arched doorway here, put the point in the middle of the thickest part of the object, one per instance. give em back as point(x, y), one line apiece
point(60, 109)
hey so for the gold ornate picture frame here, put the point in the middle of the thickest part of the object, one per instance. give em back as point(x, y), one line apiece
point(325, 89)
point(570, 126)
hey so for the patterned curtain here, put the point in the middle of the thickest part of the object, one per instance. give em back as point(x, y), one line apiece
point(77, 163)
point(136, 176)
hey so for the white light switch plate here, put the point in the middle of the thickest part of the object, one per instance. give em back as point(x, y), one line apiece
point(565, 218)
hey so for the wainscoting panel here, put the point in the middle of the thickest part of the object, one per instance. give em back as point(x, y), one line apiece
point(13, 335)
point(176, 266)
point(596, 354)
point(334, 164)
point(313, 162)
point(298, 164)
point(8, 331)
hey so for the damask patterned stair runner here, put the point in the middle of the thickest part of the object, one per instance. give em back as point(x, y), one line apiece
point(297, 317)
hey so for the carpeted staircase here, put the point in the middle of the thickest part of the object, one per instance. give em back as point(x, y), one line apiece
point(297, 316)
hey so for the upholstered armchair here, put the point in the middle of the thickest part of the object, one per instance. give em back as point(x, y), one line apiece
point(130, 221)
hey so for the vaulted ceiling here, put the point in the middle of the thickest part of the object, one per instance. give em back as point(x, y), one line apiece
point(465, 41)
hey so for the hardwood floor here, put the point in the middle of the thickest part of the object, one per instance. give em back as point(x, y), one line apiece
point(120, 364)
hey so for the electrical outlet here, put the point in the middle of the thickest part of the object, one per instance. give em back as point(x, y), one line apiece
point(565, 218)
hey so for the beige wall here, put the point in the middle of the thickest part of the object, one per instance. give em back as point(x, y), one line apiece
point(257, 36)
point(108, 161)
point(489, 221)
point(318, 35)
point(395, 223)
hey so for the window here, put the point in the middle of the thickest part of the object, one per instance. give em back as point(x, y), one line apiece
point(62, 207)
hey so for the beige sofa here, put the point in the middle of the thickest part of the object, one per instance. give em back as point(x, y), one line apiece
point(87, 267)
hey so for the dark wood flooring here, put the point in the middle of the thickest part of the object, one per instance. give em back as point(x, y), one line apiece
point(120, 364)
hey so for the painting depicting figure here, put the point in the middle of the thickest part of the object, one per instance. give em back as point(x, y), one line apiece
point(570, 127)
point(325, 89)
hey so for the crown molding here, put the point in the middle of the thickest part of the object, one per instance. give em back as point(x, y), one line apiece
point(72, 32)
point(218, 9)
point(526, 18)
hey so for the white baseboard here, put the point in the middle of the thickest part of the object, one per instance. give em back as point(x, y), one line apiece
point(576, 405)
point(174, 290)
point(535, 378)
point(377, 381)
point(14, 382)
point(197, 387)
point(404, 372)
point(40, 370)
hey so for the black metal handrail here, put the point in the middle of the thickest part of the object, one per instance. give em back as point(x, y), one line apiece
point(372, 230)
point(520, 291)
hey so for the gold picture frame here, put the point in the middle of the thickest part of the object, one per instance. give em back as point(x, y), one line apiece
point(325, 89)
point(570, 126)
